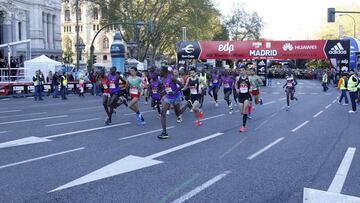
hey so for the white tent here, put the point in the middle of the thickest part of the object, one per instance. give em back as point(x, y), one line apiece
point(133, 62)
point(42, 63)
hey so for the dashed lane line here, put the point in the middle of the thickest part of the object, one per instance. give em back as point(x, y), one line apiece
point(267, 147)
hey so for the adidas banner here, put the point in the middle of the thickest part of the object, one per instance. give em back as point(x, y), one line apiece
point(263, 50)
point(261, 67)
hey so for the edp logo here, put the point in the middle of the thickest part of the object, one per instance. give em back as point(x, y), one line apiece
point(226, 47)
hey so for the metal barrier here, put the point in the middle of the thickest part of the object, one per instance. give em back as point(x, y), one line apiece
point(6, 74)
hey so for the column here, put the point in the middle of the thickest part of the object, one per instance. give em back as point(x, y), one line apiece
point(45, 31)
point(50, 31)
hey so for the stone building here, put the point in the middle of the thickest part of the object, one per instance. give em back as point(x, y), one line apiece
point(37, 20)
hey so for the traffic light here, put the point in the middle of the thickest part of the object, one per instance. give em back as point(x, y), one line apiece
point(94, 59)
point(331, 15)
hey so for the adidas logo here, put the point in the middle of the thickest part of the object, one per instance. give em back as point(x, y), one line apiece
point(288, 47)
point(338, 49)
point(261, 63)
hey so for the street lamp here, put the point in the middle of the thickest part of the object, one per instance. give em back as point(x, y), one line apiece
point(353, 21)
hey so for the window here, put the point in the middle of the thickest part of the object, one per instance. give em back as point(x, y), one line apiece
point(79, 14)
point(20, 31)
point(67, 15)
point(96, 14)
point(64, 28)
point(98, 27)
point(81, 28)
point(70, 29)
point(105, 58)
point(105, 43)
point(94, 27)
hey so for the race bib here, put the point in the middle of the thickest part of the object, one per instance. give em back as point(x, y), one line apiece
point(289, 84)
point(134, 90)
point(112, 85)
point(154, 91)
point(105, 86)
point(168, 90)
point(244, 89)
point(226, 85)
point(215, 81)
point(193, 90)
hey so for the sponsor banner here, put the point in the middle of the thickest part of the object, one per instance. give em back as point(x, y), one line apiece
point(344, 65)
point(18, 88)
point(261, 67)
point(188, 50)
point(259, 50)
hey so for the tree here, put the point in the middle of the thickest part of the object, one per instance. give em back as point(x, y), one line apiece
point(222, 35)
point(167, 17)
point(344, 23)
point(243, 25)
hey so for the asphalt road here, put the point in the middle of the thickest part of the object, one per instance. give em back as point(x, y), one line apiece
point(60, 151)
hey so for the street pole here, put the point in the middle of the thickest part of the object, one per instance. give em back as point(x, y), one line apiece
point(77, 36)
point(183, 34)
point(354, 21)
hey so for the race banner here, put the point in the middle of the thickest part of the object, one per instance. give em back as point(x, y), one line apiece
point(259, 50)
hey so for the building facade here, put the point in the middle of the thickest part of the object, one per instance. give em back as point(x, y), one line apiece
point(89, 24)
point(37, 20)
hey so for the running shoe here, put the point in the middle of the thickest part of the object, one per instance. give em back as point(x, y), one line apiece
point(146, 103)
point(167, 112)
point(351, 111)
point(191, 111)
point(345, 104)
point(216, 104)
point(159, 116)
point(249, 117)
point(231, 110)
point(201, 115)
point(198, 123)
point(287, 108)
point(163, 135)
point(242, 129)
point(179, 119)
point(138, 119)
point(107, 121)
point(260, 101)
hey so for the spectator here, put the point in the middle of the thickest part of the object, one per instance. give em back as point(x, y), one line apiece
point(63, 85)
point(55, 85)
point(38, 79)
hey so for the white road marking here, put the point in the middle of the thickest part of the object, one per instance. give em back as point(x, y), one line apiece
point(314, 93)
point(282, 99)
point(274, 114)
point(87, 130)
point(85, 108)
point(202, 187)
point(39, 158)
point(72, 122)
point(232, 148)
point(10, 111)
point(335, 100)
point(33, 119)
point(261, 124)
point(340, 177)
point(154, 156)
point(145, 133)
point(276, 93)
point(300, 126)
point(212, 117)
point(6, 99)
point(265, 148)
point(316, 115)
point(272, 102)
point(3, 132)
point(20, 115)
point(129, 114)
point(301, 93)
point(328, 94)
point(128, 164)
point(328, 106)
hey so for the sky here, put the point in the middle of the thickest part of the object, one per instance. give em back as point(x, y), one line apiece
point(287, 19)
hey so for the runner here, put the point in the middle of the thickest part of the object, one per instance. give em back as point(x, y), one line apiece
point(104, 85)
point(145, 86)
point(114, 91)
point(134, 85)
point(155, 88)
point(172, 97)
point(243, 89)
point(290, 90)
point(203, 86)
point(193, 83)
point(215, 86)
point(228, 83)
point(255, 82)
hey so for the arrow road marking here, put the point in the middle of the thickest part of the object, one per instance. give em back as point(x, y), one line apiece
point(39, 158)
point(333, 194)
point(34, 140)
point(129, 163)
point(202, 187)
